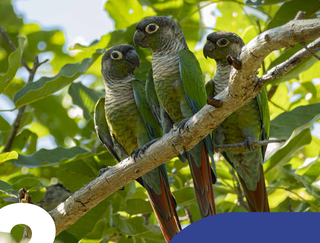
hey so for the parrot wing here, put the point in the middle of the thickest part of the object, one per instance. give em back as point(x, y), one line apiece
point(262, 99)
point(103, 132)
point(144, 108)
point(195, 90)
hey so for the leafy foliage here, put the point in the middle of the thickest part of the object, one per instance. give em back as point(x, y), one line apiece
point(60, 109)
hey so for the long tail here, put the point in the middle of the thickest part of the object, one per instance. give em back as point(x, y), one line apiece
point(164, 206)
point(258, 199)
point(202, 180)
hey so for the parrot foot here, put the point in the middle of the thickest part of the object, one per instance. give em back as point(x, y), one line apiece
point(138, 152)
point(248, 143)
point(181, 124)
point(214, 102)
point(101, 171)
point(234, 62)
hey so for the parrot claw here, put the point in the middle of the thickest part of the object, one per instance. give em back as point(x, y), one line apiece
point(138, 152)
point(248, 143)
point(101, 171)
point(181, 124)
point(234, 62)
point(214, 102)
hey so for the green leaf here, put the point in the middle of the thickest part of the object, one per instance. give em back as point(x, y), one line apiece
point(14, 64)
point(46, 86)
point(37, 193)
point(4, 125)
point(184, 196)
point(285, 153)
point(127, 12)
point(45, 157)
point(27, 183)
point(87, 223)
point(284, 124)
point(8, 156)
point(264, 2)
point(136, 206)
point(130, 226)
point(289, 10)
point(85, 98)
point(4, 186)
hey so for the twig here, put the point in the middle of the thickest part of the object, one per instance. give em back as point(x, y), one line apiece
point(309, 50)
point(283, 68)
point(272, 91)
point(188, 213)
point(239, 191)
point(245, 144)
point(300, 15)
point(17, 121)
point(13, 47)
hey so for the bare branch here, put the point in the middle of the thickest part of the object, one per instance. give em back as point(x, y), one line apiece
point(246, 144)
point(240, 193)
point(12, 45)
point(283, 68)
point(310, 50)
point(243, 86)
point(300, 15)
point(17, 121)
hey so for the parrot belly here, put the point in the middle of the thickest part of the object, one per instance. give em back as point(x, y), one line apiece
point(243, 123)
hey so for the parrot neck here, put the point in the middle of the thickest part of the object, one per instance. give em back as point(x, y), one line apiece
point(170, 47)
point(221, 78)
point(119, 90)
point(165, 62)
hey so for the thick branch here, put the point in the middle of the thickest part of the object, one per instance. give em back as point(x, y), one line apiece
point(242, 88)
point(246, 144)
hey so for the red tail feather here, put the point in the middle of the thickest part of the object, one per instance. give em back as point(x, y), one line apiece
point(258, 199)
point(164, 207)
point(202, 180)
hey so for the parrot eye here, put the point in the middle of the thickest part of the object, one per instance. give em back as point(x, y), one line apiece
point(116, 55)
point(222, 42)
point(151, 28)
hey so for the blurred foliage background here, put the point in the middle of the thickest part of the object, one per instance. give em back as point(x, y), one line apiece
point(59, 105)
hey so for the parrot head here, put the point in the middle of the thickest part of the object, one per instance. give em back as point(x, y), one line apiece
point(157, 33)
point(220, 44)
point(119, 61)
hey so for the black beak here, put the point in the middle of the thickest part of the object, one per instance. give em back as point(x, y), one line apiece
point(138, 38)
point(133, 58)
point(208, 48)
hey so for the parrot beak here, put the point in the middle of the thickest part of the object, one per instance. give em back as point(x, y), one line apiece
point(133, 58)
point(139, 39)
point(208, 48)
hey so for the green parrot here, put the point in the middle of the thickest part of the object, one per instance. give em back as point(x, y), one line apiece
point(251, 122)
point(131, 125)
point(181, 92)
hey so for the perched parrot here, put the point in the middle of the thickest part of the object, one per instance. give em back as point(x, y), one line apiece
point(251, 122)
point(181, 92)
point(131, 125)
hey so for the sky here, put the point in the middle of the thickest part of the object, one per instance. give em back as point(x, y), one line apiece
point(81, 20)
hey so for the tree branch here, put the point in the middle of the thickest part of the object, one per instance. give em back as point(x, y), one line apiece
point(17, 121)
point(283, 68)
point(246, 144)
point(13, 47)
point(243, 86)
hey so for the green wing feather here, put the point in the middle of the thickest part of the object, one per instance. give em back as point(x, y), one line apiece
point(150, 121)
point(262, 100)
point(193, 83)
point(152, 97)
point(102, 129)
point(152, 178)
